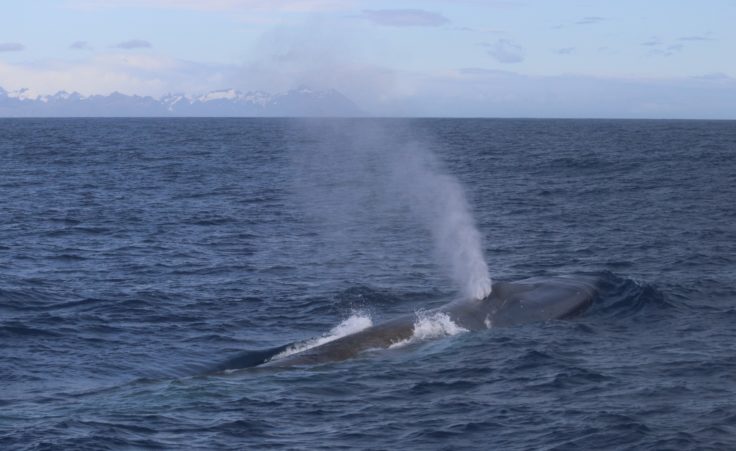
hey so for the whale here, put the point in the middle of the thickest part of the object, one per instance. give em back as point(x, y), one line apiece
point(535, 299)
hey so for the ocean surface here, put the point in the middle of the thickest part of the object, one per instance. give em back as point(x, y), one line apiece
point(137, 254)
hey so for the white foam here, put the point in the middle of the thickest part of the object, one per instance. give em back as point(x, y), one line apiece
point(355, 323)
point(426, 327)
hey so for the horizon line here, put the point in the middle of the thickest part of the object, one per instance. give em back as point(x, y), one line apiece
point(531, 118)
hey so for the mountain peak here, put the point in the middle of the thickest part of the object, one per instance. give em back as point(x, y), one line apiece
point(301, 101)
point(221, 94)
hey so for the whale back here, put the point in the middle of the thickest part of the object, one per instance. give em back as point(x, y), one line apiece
point(511, 303)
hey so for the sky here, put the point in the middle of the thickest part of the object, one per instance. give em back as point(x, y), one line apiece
point(455, 58)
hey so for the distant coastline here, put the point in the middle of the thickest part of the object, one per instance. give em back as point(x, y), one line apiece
point(221, 103)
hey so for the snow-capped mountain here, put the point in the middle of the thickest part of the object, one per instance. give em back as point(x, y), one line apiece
point(228, 102)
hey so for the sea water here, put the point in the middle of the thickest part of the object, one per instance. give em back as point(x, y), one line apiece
point(134, 253)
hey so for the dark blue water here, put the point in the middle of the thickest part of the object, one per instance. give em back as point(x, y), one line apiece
point(136, 253)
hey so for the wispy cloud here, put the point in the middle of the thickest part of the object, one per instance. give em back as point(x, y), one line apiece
point(130, 73)
point(80, 45)
point(291, 6)
point(669, 50)
point(714, 76)
point(404, 17)
point(133, 44)
point(11, 47)
point(659, 47)
point(589, 20)
point(480, 30)
point(695, 38)
point(482, 72)
point(565, 51)
point(475, 92)
point(505, 51)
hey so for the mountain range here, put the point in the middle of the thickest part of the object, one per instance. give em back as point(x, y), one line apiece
point(300, 102)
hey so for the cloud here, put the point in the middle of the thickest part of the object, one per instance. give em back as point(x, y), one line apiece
point(319, 54)
point(480, 30)
point(482, 71)
point(476, 92)
point(714, 76)
point(667, 51)
point(663, 48)
point(80, 45)
point(470, 91)
point(651, 43)
point(565, 51)
point(659, 48)
point(250, 6)
point(590, 20)
point(695, 38)
point(404, 17)
point(505, 51)
point(133, 44)
point(11, 47)
point(129, 73)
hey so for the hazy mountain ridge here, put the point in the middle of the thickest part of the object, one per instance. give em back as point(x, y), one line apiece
point(227, 102)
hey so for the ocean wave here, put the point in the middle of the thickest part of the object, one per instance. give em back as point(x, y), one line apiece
point(620, 297)
point(16, 329)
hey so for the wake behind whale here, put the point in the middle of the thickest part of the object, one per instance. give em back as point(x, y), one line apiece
point(511, 303)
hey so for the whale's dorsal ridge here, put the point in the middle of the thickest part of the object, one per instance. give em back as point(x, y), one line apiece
point(509, 303)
